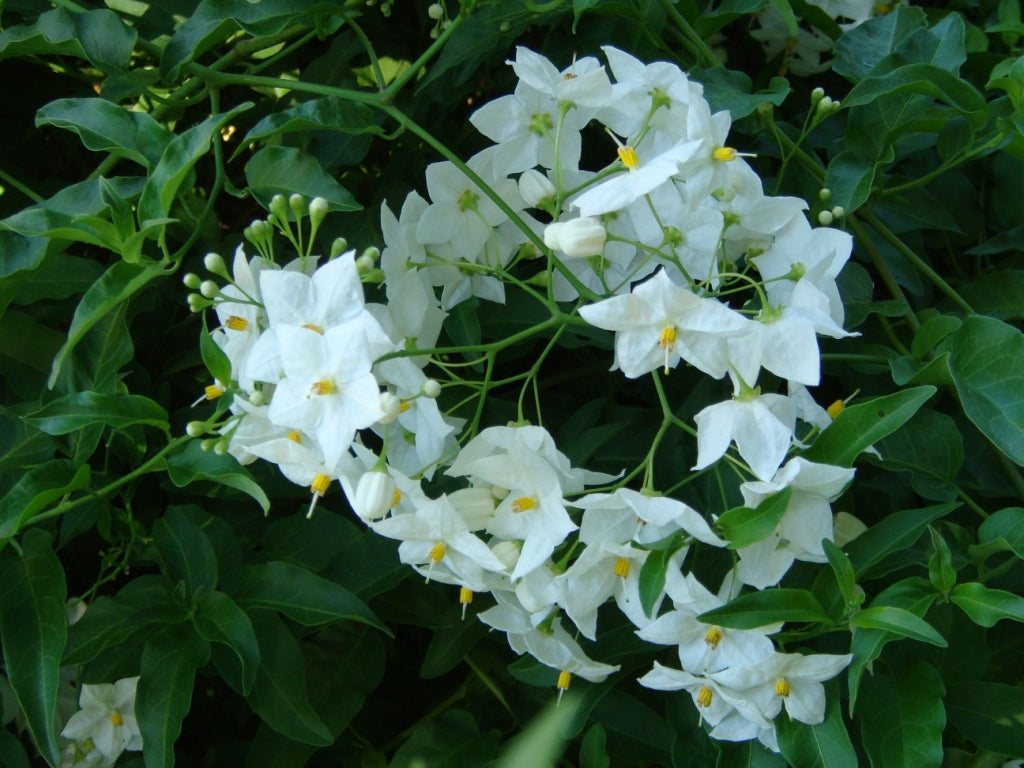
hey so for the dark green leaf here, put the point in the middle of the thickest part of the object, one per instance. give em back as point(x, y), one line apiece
point(451, 644)
point(327, 113)
point(941, 572)
point(904, 729)
point(860, 426)
point(12, 753)
point(542, 742)
point(193, 463)
point(998, 294)
point(218, 620)
point(859, 50)
point(924, 79)
point(851, 177)
point(214, 358)
point(989, 714)
point(36, 490)
point(72, 412)
point(97, 35)
point(931, 448)
point(1006, 528)
point(106, 127)
point(747, 754)
point(826, 745)
point(652, 578)
point(186, 553)
point(286, 171)
point(727, 89)
point(986, 359)
point(985, 605)
point(758, 609)
point(743, 526)
point(593, 752)
point(300, 595)
point(33, 630)
point(164, 696)
point(843, 569)
point(897, 621)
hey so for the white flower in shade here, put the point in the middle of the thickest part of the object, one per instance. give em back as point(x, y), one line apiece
point(660, 323)
point(806, 521)
point(242, 317)
point(714, 701)
point(107, 718)
point(788, 680)
point(761, 426)
point(328, 389)
point(630, 515)
point(600, 572)
point(583, 84)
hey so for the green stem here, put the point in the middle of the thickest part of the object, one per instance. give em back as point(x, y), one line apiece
point(30, 194)
point(883, 270)
point(388, 94)
point(696, 40)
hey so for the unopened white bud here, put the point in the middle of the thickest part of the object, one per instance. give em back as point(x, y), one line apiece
point(475, 506)
point(839, 211)
point(536, 188)
point(364, 264)
point(552, 235)
point(824, 106)
point(214, 262)
point(298, 205)
point(583, 237)
point(209, 289)
point(391, 405)
point(825, 218)
point(431, 388)
point(817, 95)
point(375, 495)
point(507, 552)
point(317, 211)
point(257, 398)
point(435, 11)
point(498, 492)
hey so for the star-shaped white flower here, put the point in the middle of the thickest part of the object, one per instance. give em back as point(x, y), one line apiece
point(107, 718)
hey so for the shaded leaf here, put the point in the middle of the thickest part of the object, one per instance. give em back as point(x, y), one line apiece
point(826, 745)
point(904, 729)
point(193, 463)
point(985, 605)
point(80, 409)
point(286, 171)
point(897, 621)
point(218, 619)
point(989, 714)
point(185, 552)
point(758, 609)
point(97, 35)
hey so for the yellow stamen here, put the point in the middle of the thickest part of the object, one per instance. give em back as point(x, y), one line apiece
point(465, 597)
point(628, 157)
point(294, 436)
point(436, 553)
point(522, 504)
point(396, 498)
point(725, 154)
point(323, 387)
point(881, 9)
point(667, 341)
point(314, 327)
point(116, 719)
point(781, 688)
point(213, 392)
point(564, 678)
point(621, 567)
point(835, 409)
point(236, 323)
point(791, 44)
point(704, 696)
point(404, 406)
point(713, 637)
point(319, 484)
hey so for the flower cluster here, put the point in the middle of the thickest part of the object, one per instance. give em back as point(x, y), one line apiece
point(673, 247)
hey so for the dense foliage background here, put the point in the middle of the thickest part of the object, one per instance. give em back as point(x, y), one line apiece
point(137, 137)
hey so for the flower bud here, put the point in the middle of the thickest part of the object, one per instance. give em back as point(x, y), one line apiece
point(257, 398)
point(825, 218)
point(435, 11)
point(536, 189)
point(339, 245)
point(552, 235)
point(583, 237)
point(364, 264)
point(824, 106)
point(507, 552)
point(214, 262)
point(825, 194)
point(317, 211)
point(431, 388)
point(209, 289)
point(817, 95)
point(839, 211)
point(375, 495)
point(279, 207)
point(195, 428)
point(475, 506)
point(298, 205)
point(391, 405)
point(192, 280)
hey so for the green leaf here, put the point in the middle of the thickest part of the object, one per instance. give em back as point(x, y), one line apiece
point(106, 127)
point(218, 619)
point(851, 177)
point(941, 572)
point(80, 409)
point(758, 609)
point(931, 448)
point(898, 621)
point(843, 569)
point(924, 79)
point(300, 595)
point(986, 359)
point(193, 463)
point(279, 695)
point(1005, 528)
point(652, 578)
point(214, 358)
point(12, 753)
point(327, 113)
point(72, 202)
point(826, 745)
point(185, 552)
point(904, 729)
point(989, 714)
point(860, 426)
point(286, 171)
point(985, 605)
point(542, 742)
point(593, 750)
point(726, 89)
point(97, 35)
point(36, 490)
point(179, 156)
point(33, 630)
point(451, 644)
point(743, 526)
point(997, 294)
point(859, 50)
point(169, 663)
point(119, 283)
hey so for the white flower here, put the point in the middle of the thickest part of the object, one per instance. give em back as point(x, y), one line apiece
point(761, 426)
point(107, 718)
point(714, 701)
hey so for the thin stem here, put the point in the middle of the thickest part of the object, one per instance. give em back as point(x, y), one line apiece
point(30, 194)
point(388, 94)
point(884, 272)
point(696, 40)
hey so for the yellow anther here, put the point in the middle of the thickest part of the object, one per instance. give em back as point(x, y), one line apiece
point(725, 154)
point(322, 387)
point(213, 392)
point(436, 553)
point(881, 9)
point(396, 498)
point(319, 484)
point(628, 157)
point(314, 327)
point(404, 406)
point(713, 637)
point(564, 678)
point(116, 719)
point(621, 567)
point(568, 76)
point(236, 323)
point(704, 696)
point(294, 436)
point(465, 595)
point(667, 338)
point(781, 688)
point(523, 503)
point(835, 409)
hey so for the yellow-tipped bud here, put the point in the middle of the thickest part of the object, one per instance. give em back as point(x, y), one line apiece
point(564, 678)
point(465, 595)
point(213, 392)
point(320, 484)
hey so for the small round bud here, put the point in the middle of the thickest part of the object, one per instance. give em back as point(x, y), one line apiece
point(191, 280)
point(221, 446)
point(817, 95)
point(431, 388)
point(317, 211)
point(825, 218)
point(836, 106)
point(257, 398)
point(391, 405)
point(214, 262)
point(583, 237)
point(209, 289)
point(371, 253)
point(195, 428)
point(364, 264)
point(338, 246)
point(825, 194)
point(207, 444)
point(435, 11)
point(824, 106)
point(298, 205)
point(197, 303)
point(536, 189)
point(838, 212)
